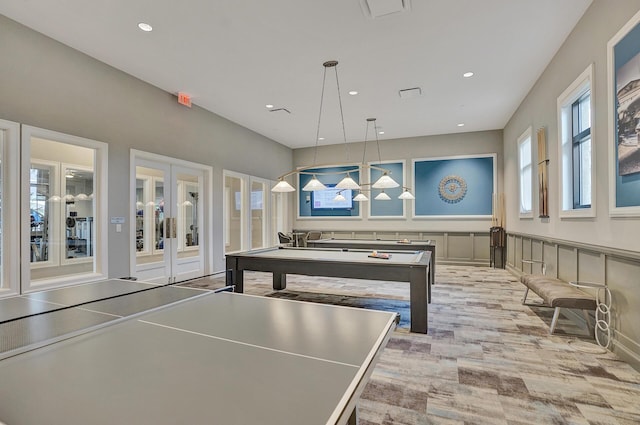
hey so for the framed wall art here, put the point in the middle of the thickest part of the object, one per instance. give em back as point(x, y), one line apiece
point(623, 69)
point(455, 187)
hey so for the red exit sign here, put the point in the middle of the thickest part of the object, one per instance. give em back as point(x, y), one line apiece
point(184, 99)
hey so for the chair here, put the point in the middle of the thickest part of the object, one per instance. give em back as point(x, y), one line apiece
point(313, 235)
point(284, 239)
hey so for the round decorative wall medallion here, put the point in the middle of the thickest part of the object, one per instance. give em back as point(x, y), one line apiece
point(452, 189)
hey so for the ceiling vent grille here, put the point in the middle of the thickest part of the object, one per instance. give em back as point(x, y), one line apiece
point(409, 93)
point(373, 9)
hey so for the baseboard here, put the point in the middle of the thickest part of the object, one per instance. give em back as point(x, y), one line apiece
point(462, 262)
point(627, 349)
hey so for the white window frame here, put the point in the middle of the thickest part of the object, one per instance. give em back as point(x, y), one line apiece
point(101, 247)
point(245, 215)
point(10, 212)
point(581, 86)
point(266, 211)
point(528, 134)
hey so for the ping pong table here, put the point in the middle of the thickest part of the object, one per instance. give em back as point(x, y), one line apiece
point(171, 355)
point(399, 266)
point(382, 245)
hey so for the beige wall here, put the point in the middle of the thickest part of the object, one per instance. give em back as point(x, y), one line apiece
point(46, 84)
point(580, 242)
point(586, 45)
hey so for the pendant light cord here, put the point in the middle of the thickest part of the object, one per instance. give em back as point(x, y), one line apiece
point(330, 64)
point(324, 80)
point(364, 150)
point(344, 133)
point(375, 131)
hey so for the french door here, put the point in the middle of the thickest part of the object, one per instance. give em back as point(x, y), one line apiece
point(9, 208)
point(169, 203)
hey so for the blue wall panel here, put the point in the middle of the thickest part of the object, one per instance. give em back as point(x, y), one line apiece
point(477, 173)
point(392, 207)
point(330, 179)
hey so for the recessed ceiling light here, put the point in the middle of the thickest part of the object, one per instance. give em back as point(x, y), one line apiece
point(353, 92)
point(461, 124)
point(320, 138)
point(380, 132)
point(145, 27)
point(269, 106)
point(467, 74)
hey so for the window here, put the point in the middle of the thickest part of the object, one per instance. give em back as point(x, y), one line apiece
point(575, 148)
point(246, 207)
point(525, 173)
point(581, 145)
point(64, 178)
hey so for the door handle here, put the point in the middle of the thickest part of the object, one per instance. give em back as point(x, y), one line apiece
point(171, 227)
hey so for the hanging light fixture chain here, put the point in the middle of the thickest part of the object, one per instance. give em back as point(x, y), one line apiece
point(366, 134)
point(324, 80)
point(375, 131)
point(347, 183)
point(344, 133)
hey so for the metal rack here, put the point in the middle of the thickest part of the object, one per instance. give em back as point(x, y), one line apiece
point(497, 245)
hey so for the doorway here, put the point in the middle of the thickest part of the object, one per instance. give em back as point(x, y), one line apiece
point(169, 206)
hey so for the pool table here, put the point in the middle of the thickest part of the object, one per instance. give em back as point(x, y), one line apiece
point(382, 245)
point(401, 266)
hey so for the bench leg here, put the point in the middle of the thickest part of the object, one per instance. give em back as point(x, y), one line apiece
point(526, 291)
point(556, 313)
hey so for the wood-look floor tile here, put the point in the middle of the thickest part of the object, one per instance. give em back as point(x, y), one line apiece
point(487, 359)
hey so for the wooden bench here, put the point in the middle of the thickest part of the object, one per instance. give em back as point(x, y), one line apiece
point(558, 294)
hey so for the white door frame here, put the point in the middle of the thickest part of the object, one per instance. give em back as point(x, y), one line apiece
point(138, 157)
point(100, 269)
point(10, 214)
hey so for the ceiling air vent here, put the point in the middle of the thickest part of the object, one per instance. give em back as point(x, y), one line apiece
point(378, 8)
point(409, 93)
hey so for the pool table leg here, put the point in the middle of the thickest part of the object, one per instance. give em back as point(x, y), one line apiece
point(429, 283)
point(419, 294)
point(279, 281)
point(236, 278)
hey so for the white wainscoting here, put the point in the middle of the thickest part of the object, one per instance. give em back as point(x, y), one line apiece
point(458, 248)
point(566, 260)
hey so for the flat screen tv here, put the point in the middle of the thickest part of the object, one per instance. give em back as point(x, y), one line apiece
point(325, 199)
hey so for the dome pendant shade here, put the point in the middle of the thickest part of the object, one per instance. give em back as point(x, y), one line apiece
point(283, 186)
point(383, 197)
point(385, 182)
point(406, 195)
point(339, 198)
point(348, 183)
point(360, 197)
point(314, 184)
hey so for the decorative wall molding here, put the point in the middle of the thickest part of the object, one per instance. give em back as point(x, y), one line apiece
point(617, 268)
point(455, 248)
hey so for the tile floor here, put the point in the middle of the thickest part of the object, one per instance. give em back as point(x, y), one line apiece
point(487, 359)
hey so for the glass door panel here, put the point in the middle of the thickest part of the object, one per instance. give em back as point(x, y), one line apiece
point(61, 210)
point(233, 213)
point(188, 216)
point(257, 215)
point(168, 211)
point(78, 211)
point(149, 215)
point(43, 206)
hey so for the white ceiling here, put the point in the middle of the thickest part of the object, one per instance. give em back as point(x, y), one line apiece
point(236, 56)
